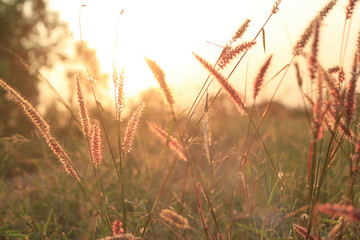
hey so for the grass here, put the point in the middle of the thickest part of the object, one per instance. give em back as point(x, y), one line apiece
point(230, 171)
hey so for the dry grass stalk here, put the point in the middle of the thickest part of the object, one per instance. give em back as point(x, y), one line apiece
point(160, 77)
point(233, 94)
point(125, 236)
point(240, 32)
point(96, 144)
point(173, 143)
point(84, 116)
point(347, 211)
point(116, 227)
point(303, 232)
point(174, 218)
point(42, 126)
point(131, 129)
point(230, 53)
point(298, 75)
point(260, 77)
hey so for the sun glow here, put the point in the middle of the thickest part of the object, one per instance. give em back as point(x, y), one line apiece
point(169, 32)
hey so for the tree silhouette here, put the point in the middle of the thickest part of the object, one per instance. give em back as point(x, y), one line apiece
point(31, 39)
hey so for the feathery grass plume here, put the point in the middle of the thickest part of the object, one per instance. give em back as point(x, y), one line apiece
point(60, 154)
point(207, 136)
point(305, 36)
point(116, 227)
point(96, 144)
point(240, 32)
point(42, 126)
point(312, 62)
point(131, 129)
point(85, 120)
point(326, 9)
point(230, 53)
point(173, 143)
point(118, 80)
point(27, 108)
point(347, 211)
point(160, 77)
point(275, 8)
point(260, 77)
point(350, 8)
point(174, 218)
point(303, 232)
point(125, 236)
point(233, 94)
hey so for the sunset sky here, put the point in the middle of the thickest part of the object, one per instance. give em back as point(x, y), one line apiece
point(168, 32)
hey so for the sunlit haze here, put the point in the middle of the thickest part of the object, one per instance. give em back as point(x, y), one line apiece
point(168, 32)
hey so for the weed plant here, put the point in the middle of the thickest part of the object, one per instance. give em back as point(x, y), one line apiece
point(221, 169)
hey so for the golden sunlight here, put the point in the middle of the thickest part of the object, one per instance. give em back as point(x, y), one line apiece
point(168, 33)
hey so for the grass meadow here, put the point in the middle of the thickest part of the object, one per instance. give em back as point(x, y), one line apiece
point(220, 169)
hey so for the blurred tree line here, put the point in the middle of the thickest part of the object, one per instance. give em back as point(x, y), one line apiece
point(32, 38)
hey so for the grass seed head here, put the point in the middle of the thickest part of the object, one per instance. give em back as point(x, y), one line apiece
point(173, 143)
point(160, 77)
point(131, 129)
point(125, 236)
point(116, 227)
point(174, 218)
point(260, 77)
point(84, 116)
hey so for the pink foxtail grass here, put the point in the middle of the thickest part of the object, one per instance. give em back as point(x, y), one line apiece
point(96, 144)
point(160, 77)
point(117, 227)
point(233, 94)
point(347, 211)
point(303, 232)
point(42, 126)
point(174, 218)
point(84, 116)
point(125, 236)
point(329, 121)
point(131, 129)
point(260, 77)
point(172, 142)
